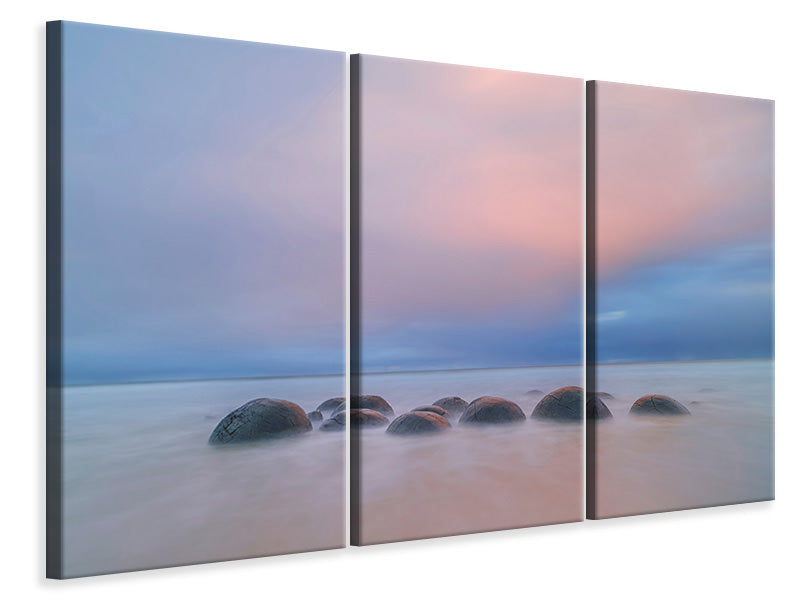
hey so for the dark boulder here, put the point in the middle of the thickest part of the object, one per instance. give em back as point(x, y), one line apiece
point(314, 416)
point(363, 418)
point(330, 406)
point(437, 410)
point(260, 419)
point(417, 423)
point(335, 423)
point(596, 408)
point(372, 403)
point(564, 404)
point(452, 404)
point(535, 393)
point(604, 396)
point(658, 405)
point(488, 410)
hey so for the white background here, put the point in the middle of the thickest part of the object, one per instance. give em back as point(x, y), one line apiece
point(743, 48)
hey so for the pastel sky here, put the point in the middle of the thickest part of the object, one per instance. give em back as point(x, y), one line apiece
point(684, 225)
point(471, 215)
point(203, 207)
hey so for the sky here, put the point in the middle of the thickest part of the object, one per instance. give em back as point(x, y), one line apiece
point(685, 236)
point(471, 217)
point(203, 207)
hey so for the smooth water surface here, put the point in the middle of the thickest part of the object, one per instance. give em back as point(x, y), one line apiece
point(143, 489)
point(722, 454)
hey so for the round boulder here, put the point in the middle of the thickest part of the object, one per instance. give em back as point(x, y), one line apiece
point(452, 404)
point(658, 405)
point(437, 410)
point(335, 423)
point(315, 416)
point(417, 423)
point(372, 403)
point(364, 418)
point(596, 408)
point(260, 419)
point(330, 406)
point(564, 404)
point(488, 410)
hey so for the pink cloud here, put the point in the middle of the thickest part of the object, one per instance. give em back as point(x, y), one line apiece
point(678, 170)
point(471, 191)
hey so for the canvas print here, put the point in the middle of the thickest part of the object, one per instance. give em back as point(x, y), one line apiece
point(467, 302)
point(681, 296)
point(196, 206)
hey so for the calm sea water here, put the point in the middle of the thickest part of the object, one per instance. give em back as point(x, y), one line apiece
point(722, 454)
point(142, 488)
point(469, 479)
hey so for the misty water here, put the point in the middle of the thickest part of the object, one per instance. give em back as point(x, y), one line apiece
point(469, 479)
point(142, 488)
point(721, 454)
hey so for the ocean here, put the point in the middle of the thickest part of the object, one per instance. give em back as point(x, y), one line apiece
point(469, 479)
point(143, 489)
point(722, 454)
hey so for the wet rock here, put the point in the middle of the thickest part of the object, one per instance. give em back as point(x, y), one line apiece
point(564, 404)
point(335, 423)
point(596, 408)
point(260, 419)
point(418, 423)
point(535, 393)
point(364, 418)
point(452, 404)
point(656, 404)
point(315, 416)
point(437, 410)
point(372, 403)
point(604, 396)
point(331, 405)
point(488, 410)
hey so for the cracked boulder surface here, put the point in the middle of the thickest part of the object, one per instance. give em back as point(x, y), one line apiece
point(372, 403)
point(437, 410)
point(489, 410)
point(331, 406)
point(337, 422)
point(315, 416)
point(452, 404)
point(656, 404)
point(260, 419)
point(596, 408)
point(418, 423)
point(564, 404)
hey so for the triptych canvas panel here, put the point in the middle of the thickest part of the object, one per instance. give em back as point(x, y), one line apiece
point(197, 212)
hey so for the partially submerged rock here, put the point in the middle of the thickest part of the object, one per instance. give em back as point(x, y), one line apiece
point(452, 404)
point(535, 393)
point(372, 403)
point(656, 404)
point(315, 416)
point(595, 407)
point(363, 418)
point(604, 396)
point(417, 423)
point(260, 419)
point(335, 423)
point(564, 404)
point(360, 418)
point(331, 405)
point(488, 410)
point(437, 410)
